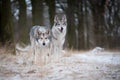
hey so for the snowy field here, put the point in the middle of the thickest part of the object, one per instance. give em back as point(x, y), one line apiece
point(73, 65)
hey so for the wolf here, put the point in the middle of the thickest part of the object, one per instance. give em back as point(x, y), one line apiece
point(58, 33)
point(40, 38)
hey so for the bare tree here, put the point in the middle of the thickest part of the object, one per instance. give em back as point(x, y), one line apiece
point(71, 34)
point(23, 29)
point(51, 5)
point(6, 28)
point(98, 11)
point(37, 12)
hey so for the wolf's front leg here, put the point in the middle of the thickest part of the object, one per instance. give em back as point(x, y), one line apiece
point(35, 54)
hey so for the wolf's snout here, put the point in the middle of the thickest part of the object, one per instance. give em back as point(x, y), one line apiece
point(43, 44)
point(61, 28)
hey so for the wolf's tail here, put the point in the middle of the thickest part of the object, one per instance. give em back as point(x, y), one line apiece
point(25, 49)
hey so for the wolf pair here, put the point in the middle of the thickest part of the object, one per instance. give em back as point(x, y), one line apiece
point(50, 41)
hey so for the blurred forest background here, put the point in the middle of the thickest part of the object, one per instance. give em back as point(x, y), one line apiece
point(91, 23)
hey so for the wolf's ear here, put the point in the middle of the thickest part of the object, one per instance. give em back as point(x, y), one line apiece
point(38, 32)
point(48, 31)
point(64, 18)
point(56, 18)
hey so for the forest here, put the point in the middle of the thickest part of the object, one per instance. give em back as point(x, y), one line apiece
point(92, 42)
point(91, 23)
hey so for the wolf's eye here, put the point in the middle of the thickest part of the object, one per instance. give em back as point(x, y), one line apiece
point(41, 38)
point(45, 38)
point(57, 24)
point(64, 23)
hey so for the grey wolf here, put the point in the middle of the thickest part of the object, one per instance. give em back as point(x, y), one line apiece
point(58, 33)
point(40, 38)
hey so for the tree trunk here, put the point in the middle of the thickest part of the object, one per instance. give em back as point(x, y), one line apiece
point(23, 29)
point(37, 12)
point(51, 5)
point(98, 10)
point(71, 34)
point(80, 24)
point(6, 28)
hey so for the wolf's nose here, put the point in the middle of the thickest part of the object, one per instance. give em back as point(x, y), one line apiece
point(43, 43)
point(61, 28)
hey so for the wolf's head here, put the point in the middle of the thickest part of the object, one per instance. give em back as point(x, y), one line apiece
point(60, 23)
point(43, 36)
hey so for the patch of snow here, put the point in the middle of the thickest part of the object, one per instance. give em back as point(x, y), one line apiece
point(17, 77)
point(82, 66)
point(97, 50)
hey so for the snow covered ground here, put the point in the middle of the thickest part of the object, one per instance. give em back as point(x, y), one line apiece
point(73, 65)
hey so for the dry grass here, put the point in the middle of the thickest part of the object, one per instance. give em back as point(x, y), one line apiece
point(3, 50)
point(7, 49)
